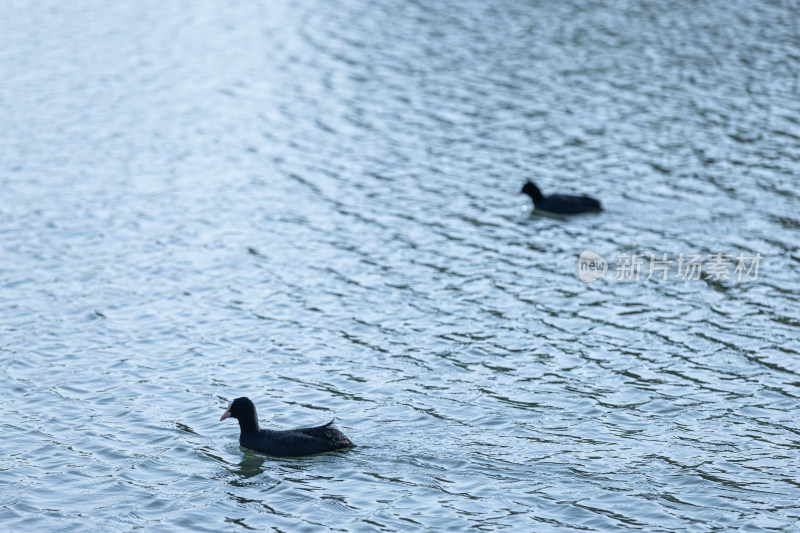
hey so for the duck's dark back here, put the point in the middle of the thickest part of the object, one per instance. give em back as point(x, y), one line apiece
point(296, 442)
point(568, 205)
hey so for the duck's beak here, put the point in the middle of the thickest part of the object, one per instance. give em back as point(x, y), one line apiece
point(225, 415)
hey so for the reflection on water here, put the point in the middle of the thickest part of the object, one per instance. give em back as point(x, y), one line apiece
point(250, 466)
point(314, 204)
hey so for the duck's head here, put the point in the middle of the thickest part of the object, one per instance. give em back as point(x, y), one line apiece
point(240, 408)
point(533, 191)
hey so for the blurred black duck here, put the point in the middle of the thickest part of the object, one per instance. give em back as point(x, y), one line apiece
point(562, 204)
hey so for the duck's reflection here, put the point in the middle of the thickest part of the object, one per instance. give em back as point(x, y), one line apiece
point(251, 465)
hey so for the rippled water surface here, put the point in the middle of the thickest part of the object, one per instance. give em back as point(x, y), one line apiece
point(312, 203)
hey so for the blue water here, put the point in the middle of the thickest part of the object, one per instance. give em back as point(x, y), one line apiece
point(313, 204)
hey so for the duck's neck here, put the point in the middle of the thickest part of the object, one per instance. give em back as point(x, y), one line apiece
point(534, 192)
point(249, 425)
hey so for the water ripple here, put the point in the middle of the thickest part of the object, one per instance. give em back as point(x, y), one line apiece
point(313, 204)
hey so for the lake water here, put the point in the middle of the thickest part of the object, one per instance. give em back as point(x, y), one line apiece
point(313, 204)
